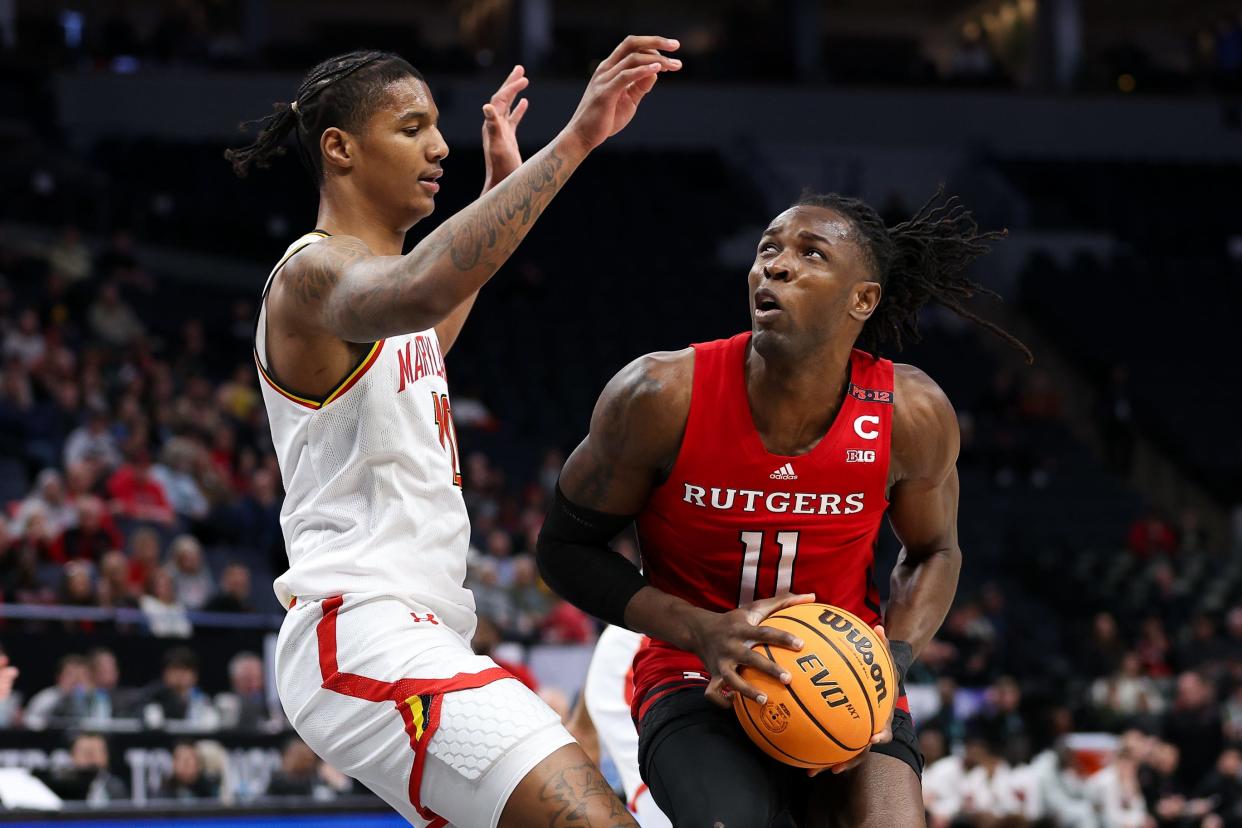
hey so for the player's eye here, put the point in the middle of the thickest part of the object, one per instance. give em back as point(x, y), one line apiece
point(411, 131)
point(766, 246)
point(815, 251)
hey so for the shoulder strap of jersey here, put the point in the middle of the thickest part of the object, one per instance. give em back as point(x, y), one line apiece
point(260, 319)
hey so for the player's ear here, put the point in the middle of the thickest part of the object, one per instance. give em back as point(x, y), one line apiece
point(337, 148)
point(863, 301)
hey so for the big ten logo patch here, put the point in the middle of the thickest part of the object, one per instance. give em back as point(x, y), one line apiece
point(859, 456)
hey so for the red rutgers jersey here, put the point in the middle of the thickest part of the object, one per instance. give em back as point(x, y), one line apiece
point(735, 523)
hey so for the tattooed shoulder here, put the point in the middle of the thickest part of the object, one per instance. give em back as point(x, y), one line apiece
point(310, 275)
point(643, 410)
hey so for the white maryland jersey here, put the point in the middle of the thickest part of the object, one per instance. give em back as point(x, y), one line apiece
point(372, 480)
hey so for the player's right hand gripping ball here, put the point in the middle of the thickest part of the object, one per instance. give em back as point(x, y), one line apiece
point(841, 693)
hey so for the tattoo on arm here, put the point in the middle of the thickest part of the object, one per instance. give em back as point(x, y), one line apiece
point(495, 230)
point(578, 797)
point(387, 295)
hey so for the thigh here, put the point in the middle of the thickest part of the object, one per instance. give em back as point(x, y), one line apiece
point(883, 791)
point(702, 770)
point(406, 708)
point(564, 790)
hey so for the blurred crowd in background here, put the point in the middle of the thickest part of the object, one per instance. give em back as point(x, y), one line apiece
point(992, 46)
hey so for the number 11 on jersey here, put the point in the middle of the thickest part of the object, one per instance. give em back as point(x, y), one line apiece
point(752, 552)
point(448, 432)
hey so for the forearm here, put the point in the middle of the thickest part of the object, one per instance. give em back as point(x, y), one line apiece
point(389, 295)
point(921, 591)
point(662, 616)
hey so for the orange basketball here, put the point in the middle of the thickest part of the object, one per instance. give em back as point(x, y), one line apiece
point(842, 690)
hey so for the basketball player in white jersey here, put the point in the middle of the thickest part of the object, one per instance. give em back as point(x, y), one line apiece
point(373, 665)
point(604, 707)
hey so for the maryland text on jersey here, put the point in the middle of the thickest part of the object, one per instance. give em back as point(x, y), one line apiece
point(753, 500)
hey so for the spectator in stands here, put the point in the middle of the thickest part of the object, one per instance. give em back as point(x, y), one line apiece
point(258, 516)
point(1194, 727)
point(65, 703)
point(1104, 650)
point(92, 441)
point(24, 343)
point(112, 321)
point(1126, 694)
point(176, 696)
point(93, 536)
point(188, 780)
point(114, 588)
point(500, 549)
point(490, 597)
point(245, 706)
point(566, 624)
point(1115, 791)
point(118, 263)
point(530, 600)
point(979, 785)
point(487, 638)
point(1221, 789)
point(946, 720)
point(136, 494)
point(1151, 535)
point(77, 589)
point(166, 616)
point(144, 558)
point(49, 498)
point(234, 594)
point(87, 778)
point(9, 701)
point(1002, 720)
point(302, 774)
point(1202, 648)
point(192, 581)
point(69, 256)
point(108, 699)
point(176, 475)
point(1154, 649)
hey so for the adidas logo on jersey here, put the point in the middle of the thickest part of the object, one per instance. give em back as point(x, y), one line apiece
point(785, 472)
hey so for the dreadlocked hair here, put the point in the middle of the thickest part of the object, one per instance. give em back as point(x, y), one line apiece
point(343, 92)
point(916, 262)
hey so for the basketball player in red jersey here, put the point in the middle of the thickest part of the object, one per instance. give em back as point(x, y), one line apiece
point(758, 469)
point(373, 662)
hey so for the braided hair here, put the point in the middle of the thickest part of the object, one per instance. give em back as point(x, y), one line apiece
point(343, 92)
point(916, 262)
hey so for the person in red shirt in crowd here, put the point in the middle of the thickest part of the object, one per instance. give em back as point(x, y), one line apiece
point(95, 534)
point(486, 639)
point(136, 494)
point(566, 624)
point(144, 556)
point(1149, 536)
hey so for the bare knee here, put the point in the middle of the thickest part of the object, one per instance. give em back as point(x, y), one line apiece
point(565, 789)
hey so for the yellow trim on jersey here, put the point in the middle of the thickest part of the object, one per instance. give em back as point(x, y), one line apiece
point(345, 384)
point(418, 716)
point(348, 382)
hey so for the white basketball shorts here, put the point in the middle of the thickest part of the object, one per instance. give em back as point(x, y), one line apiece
point(607, 692)
point(383, 692)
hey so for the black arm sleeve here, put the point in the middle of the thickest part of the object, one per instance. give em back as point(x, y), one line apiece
point(576, 561)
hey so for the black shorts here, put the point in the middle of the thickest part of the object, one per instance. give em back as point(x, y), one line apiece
point(695, 758)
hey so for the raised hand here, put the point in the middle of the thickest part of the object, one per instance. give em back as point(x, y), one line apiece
point(501, 117)
point(723, 641)
point(619, 83)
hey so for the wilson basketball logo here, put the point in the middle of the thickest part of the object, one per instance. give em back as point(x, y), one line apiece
point(859, 456)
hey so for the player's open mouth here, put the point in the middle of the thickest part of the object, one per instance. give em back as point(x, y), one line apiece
point(766, 306)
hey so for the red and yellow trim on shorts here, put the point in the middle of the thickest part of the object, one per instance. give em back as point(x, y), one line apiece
point(417, 700)
point(349, 382)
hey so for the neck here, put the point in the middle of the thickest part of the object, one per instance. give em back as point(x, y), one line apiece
point(793, 400)
point(344, 216)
